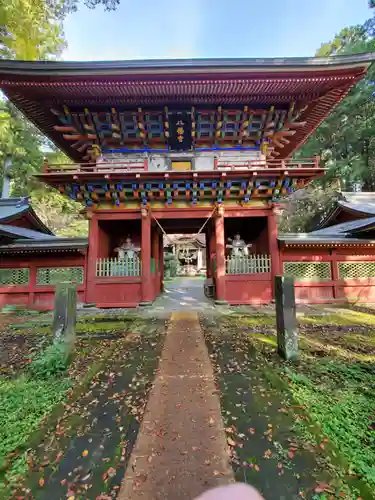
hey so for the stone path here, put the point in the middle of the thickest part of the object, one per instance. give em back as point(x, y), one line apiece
point(183, 294)
point(181, 449)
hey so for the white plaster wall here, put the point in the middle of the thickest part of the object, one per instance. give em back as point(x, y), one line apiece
point(160, 162)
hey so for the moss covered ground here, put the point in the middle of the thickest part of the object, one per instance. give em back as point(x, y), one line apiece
point(312, 421)
point(52, 427)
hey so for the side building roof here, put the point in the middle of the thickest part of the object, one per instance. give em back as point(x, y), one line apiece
point(12, 209)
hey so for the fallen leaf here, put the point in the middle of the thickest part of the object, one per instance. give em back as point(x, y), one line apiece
point(251, 430)
point(111, 472)
point(321, 488)
point(41, 482)
point(267, 453)
point(231, 442)
point(218, 473)
point(85, 453)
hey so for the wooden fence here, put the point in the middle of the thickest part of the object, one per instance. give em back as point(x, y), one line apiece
point(130, 266)
point(248, 265)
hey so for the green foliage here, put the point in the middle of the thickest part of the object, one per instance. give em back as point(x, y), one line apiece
point(51, 362)
point(303, 211)
point(33, 30)
point(170, 265)
point(345, 140)
point(339, 397)
point(23, 404)
point(30, 29)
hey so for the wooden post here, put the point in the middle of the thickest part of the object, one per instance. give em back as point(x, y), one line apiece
point(147, 293)
point(155, 256)
point(212, 256)
point(161, 261)
point(273, 248)
point(155, 249)
point(220, 257)
point(92, 258)
point(335, 275)
point(32, 284)
point(208, 260)
point(286, 320)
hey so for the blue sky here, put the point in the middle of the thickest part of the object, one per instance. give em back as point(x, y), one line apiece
point(149, 29)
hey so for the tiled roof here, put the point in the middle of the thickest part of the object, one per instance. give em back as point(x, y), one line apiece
point(344, 227)
point(11, 207)
point(21, 232)
point(327, 239)
point(51, 244)
point(318, 83)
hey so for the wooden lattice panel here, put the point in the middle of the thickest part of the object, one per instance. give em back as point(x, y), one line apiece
point(14, 276)
point(55, 275)
point(308, 271)
point(355, 270)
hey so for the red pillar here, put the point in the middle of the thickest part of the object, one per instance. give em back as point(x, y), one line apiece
point(147, 289)
point(273, 248)
point(155, 256)
point(212, 256)
point(161, 261)
point(208, 260)
point(220, 256)
point(91, 259)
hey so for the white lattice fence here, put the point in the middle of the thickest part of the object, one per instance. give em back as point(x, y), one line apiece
point(355, 270)
point(130, 266)
point(248, 265)
point(55, 275)
point(308, 271)
point(14, 276)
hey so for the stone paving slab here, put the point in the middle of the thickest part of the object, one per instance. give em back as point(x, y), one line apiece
point(181, 450)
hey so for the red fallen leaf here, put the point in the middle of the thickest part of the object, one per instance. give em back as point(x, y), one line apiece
point(290, 454)
point(63, 481)
point(111, 472)
point(342, 494)
point(41, 482)
point(256, 467)
point(322, 487)
point(267, 453)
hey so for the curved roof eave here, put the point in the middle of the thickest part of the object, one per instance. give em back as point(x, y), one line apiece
point(185, 65)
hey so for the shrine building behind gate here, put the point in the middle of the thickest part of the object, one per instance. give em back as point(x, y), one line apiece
point(175, 147)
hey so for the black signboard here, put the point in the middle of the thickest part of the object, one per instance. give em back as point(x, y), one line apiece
point(179, 130)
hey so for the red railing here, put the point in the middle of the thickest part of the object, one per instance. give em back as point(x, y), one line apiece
point(136, 165)
point(240, 164)
point(141, 165)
